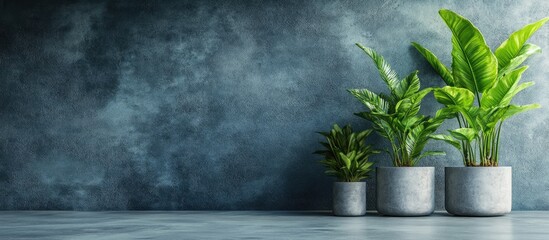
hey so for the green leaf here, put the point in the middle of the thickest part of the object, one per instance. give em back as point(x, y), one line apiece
point(439, 67)
point(408, 86)
point(383, 127)
point(409, 107)
point(336, 128)
point(362, 135)
point(418, 137)
point(388, 75)
point(413, 121)
point(371, 100)
point(523, 86)
point(418, 96)
point(489, 117)
point(514, 109)
point(445, 113)
point(345, 154)
point(511, 47)
point(470, 115)
point(431, 153)
point(395, 116)
point(448, 139)
point(525, 52)
point(366, 166)
point(454, 96)
point(413, 142)
point(464, 134)
point(352, 155)
point(405, 108)
point(346, 160)
point(503, 91)
point(474, 65)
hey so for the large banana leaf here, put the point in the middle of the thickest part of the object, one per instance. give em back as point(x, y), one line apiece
point(525, 52)
point(470, 114)
point(493, 79)
point(488, 118)
point(522, 86)
point(454, 96)
point(464, 134)
point(503, 91)
point(511, 47)
point(474, 65)
point(441, 69)
point(514, 109)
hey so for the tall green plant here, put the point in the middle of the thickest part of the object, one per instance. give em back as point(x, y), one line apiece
point(396, 117)
point(490, 78)
point(346, 154)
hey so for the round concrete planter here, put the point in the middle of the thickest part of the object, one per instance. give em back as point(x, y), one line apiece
point(405, 191)
point(478, 191)
point(349, 198)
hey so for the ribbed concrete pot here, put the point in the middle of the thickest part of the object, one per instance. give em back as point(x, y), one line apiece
point(405, 191)
point(478, 191)
point(349, 198)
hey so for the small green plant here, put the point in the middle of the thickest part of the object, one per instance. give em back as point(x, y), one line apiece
point(490, 78)
point(346, 154)
point(396, 116)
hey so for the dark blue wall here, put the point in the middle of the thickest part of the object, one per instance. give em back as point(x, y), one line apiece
point(214, 105)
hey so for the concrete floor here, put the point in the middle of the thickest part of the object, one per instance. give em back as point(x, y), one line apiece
point(265, 225)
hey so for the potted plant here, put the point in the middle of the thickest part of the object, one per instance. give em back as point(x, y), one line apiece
point(346, 158)
point(402, 190)
point(480, 87)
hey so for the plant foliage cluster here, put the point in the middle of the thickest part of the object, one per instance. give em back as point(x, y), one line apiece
point(481, 85)
point(346, 154)
point(395, 116)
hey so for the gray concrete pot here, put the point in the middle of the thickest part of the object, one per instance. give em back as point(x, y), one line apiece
point(478, 191)
point(349, 198)
point(405, 191)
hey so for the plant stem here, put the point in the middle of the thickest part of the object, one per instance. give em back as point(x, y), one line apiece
point(496, 159)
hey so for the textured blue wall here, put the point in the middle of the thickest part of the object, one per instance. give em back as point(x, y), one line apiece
point(214, 105)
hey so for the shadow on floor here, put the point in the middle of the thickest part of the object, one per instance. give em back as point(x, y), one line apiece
point(372, 213)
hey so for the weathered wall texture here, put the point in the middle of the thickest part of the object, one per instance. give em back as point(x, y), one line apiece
point(214, 105)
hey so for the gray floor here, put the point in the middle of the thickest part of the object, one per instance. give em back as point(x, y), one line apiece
point(265, 225)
